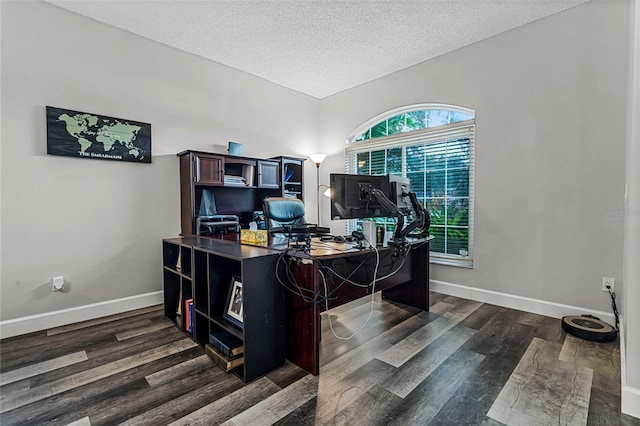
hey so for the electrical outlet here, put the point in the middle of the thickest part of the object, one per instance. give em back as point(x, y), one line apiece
point(57, 284)
point(608, 282)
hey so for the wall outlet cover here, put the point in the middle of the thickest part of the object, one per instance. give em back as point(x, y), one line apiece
point(58, 283)
point(608, 281)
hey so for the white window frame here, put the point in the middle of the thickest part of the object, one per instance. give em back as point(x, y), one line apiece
point(463, 129)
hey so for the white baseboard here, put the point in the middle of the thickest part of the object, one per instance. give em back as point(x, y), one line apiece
point(631, 401)
point(536, 306)
point(24, 325)
point(630, 397)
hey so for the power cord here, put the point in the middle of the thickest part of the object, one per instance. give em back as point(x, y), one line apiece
point(373, 292)
point(346, 279)
point(613, 306)
point(317, 297)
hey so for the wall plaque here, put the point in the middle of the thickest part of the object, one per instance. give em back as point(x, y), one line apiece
point(85, 135)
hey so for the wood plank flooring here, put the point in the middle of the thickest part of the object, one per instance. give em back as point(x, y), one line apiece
point(462, 363)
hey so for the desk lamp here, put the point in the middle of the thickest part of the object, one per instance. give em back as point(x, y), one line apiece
point(318, 159)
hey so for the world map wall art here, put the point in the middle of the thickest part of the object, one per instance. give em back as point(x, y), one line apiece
point(84, 135)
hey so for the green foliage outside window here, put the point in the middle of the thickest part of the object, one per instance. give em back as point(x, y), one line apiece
point(414, 120)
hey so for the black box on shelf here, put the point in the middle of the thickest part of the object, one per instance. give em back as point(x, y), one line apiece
point(226, 343)
point(224, 362)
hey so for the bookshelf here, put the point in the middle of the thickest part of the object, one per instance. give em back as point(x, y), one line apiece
point(292, 176)
point(203, 269)
point(177, 281)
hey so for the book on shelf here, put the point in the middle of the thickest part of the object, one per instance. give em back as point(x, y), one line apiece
point(224, 362)
point(188, 311)
point(225, 342)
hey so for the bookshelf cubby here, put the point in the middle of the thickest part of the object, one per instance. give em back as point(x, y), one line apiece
point(212, 265)
point(292, 176)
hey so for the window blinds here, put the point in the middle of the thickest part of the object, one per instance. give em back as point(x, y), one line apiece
point(439, 163)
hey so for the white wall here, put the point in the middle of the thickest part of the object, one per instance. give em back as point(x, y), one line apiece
point(631, 271)
point(550, 102)
point(100, 223)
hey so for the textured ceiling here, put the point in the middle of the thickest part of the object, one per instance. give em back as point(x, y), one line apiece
point(318, 47)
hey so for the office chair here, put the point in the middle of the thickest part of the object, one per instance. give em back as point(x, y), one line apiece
point(286, 216)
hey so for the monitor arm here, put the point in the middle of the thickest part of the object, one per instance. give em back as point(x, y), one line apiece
point(422, 221)
point(391, 208)
point(422, 216)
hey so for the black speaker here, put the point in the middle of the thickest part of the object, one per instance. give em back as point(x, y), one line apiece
point(359, 236)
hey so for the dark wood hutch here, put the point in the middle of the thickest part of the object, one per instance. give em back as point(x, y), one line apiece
point(238, 184)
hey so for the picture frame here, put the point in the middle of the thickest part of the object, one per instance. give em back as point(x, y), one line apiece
point(88, 135)
point(234, 307)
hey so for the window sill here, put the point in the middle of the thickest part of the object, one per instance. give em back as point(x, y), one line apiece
point(448, 261)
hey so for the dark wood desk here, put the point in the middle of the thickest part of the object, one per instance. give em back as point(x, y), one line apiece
point(201, 269)
point(409, 285)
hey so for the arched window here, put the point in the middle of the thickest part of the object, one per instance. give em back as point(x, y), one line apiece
point(433, 146)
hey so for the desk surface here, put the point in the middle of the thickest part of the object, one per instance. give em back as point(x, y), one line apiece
point(230, 245)
point(318, 248)
point(224, 247)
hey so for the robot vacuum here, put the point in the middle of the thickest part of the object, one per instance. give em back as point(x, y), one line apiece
point(589, 327)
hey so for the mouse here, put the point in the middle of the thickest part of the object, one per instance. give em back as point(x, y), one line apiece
point(339, 239)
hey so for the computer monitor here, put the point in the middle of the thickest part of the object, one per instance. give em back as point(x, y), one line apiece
point(351, 197)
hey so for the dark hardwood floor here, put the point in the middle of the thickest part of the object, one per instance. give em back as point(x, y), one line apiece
point(463, 362)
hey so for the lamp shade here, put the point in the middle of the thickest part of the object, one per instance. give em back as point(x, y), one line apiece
point(317, 158)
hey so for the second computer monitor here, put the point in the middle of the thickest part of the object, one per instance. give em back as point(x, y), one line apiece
point(351, 196)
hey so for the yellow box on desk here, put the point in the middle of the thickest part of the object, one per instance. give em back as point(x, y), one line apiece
point(258, 236)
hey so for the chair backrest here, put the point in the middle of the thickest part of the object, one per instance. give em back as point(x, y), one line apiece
point(282, 213)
